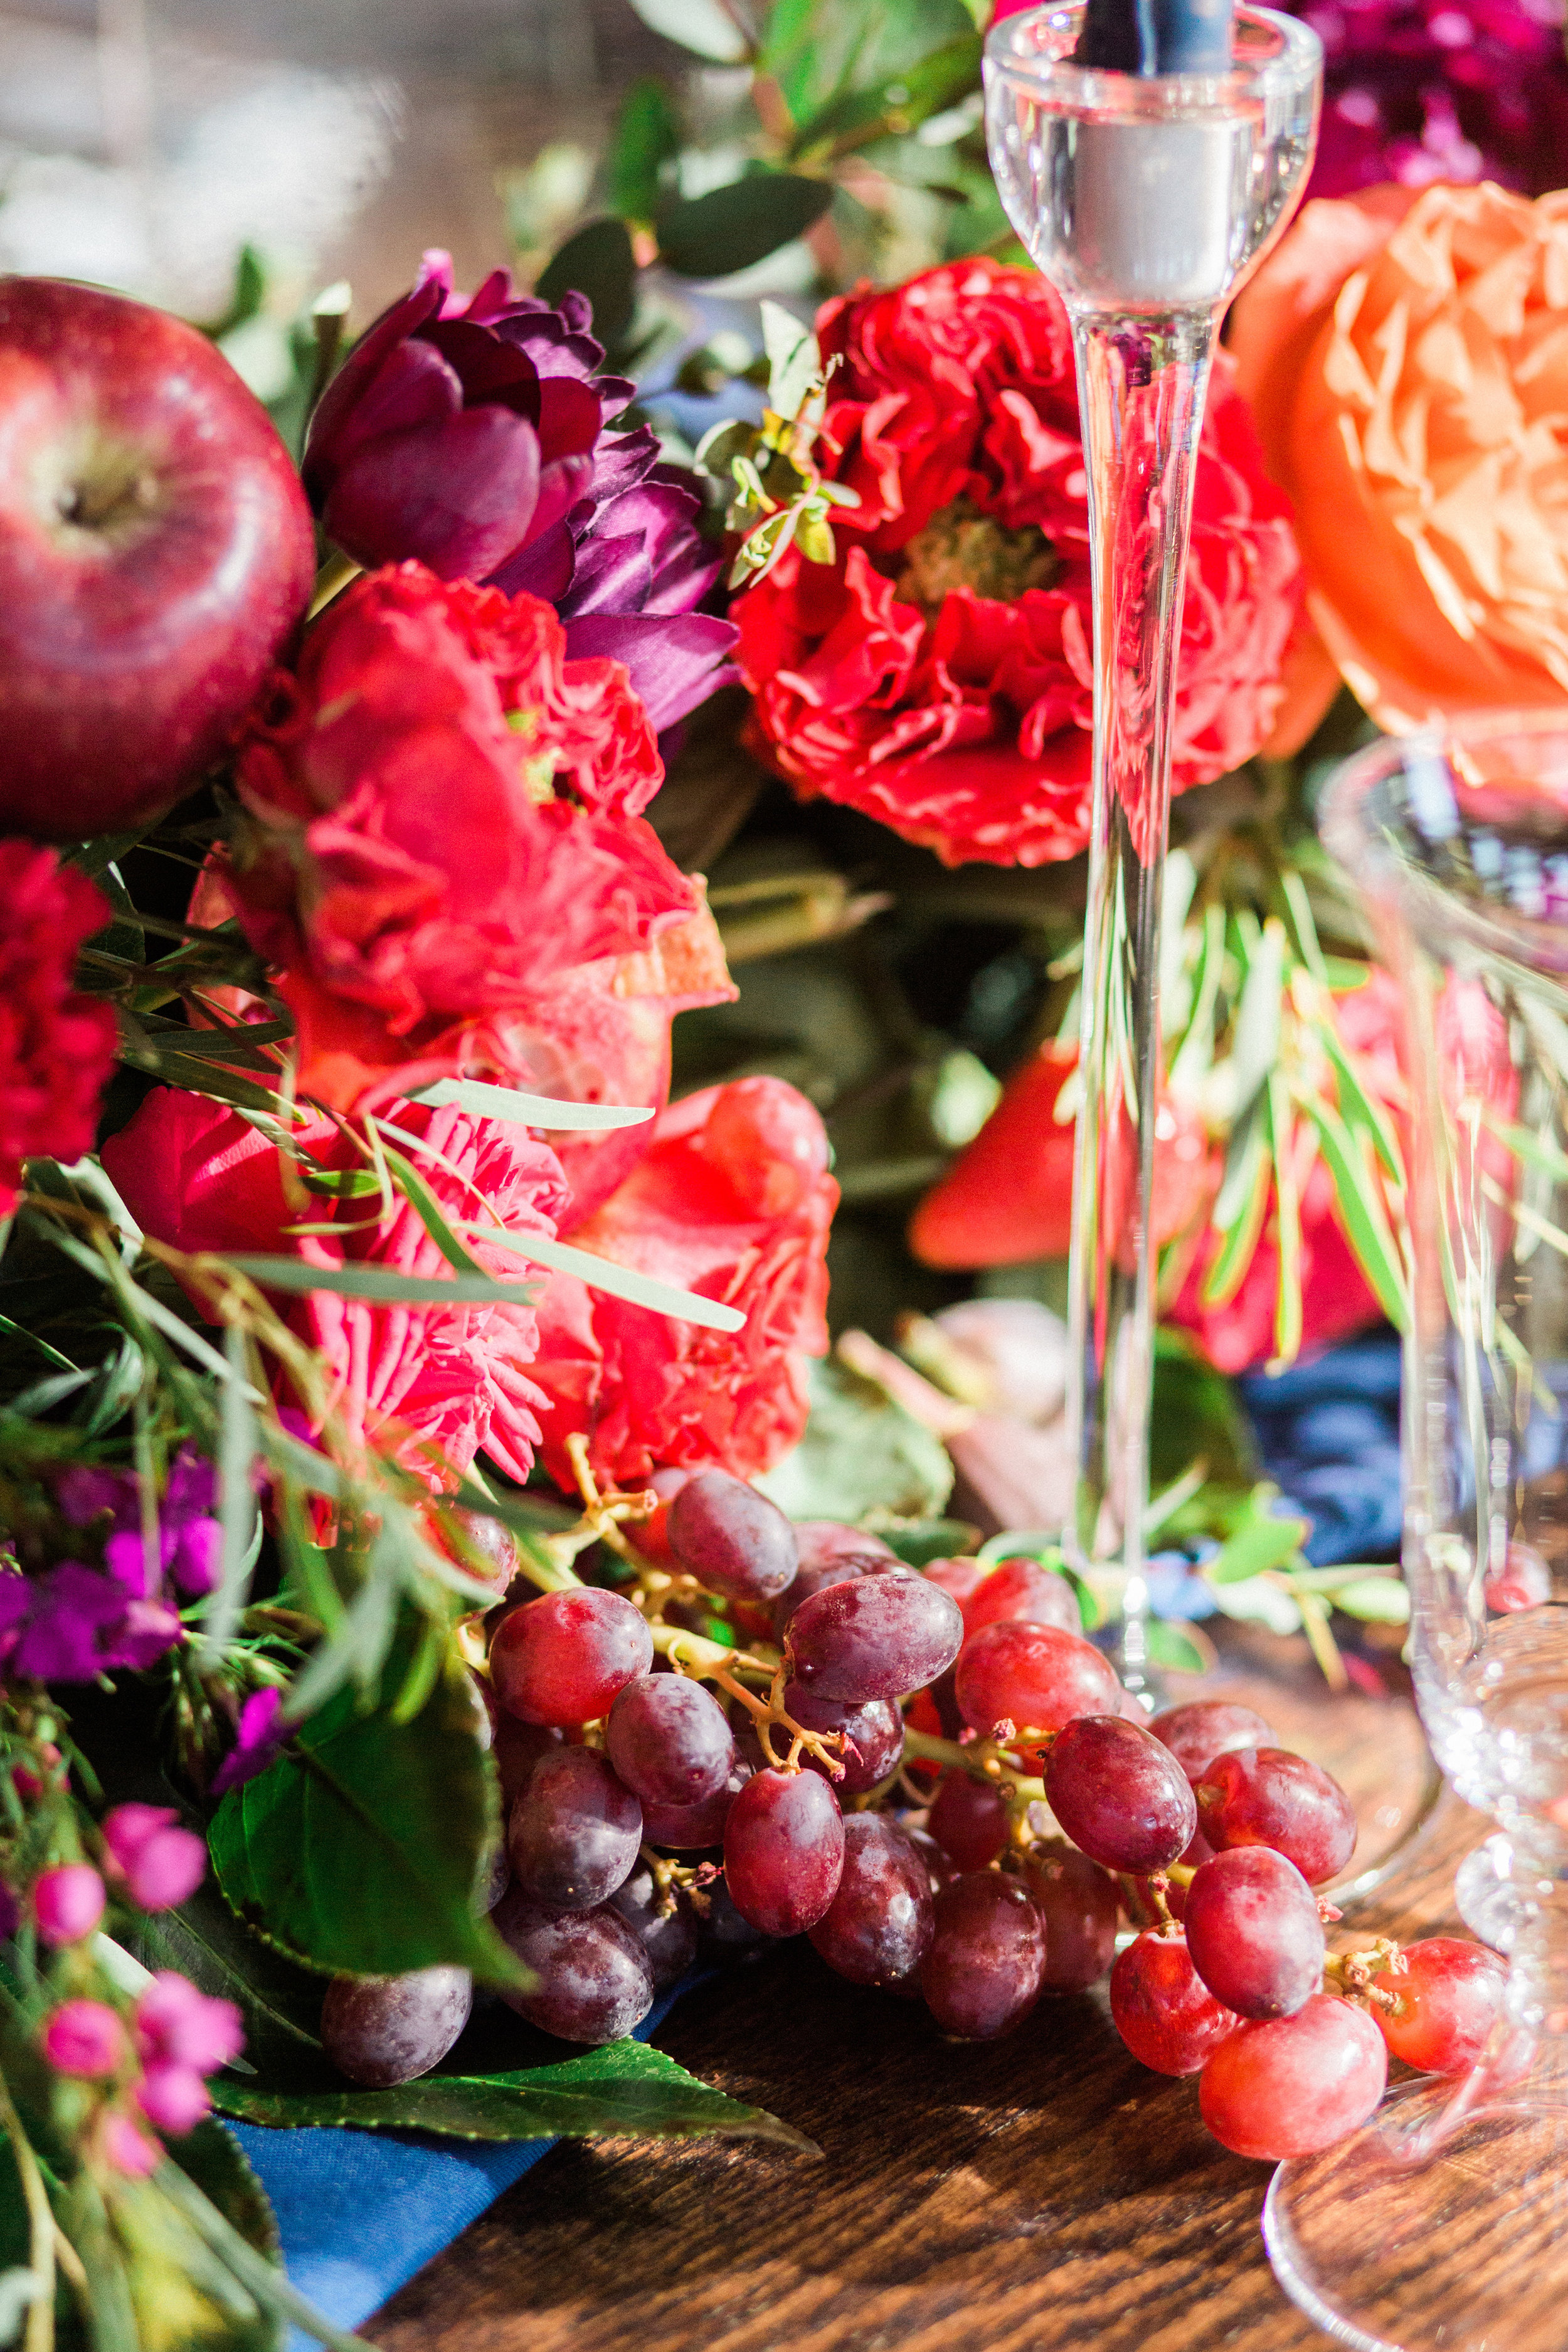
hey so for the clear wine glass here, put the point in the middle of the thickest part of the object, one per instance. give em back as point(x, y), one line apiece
point(1146, 201)
point(1444, 2222)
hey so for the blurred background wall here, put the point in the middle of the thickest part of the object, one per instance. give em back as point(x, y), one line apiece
point(143, 142)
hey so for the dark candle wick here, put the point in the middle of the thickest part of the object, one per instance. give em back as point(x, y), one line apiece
point(1156, 37)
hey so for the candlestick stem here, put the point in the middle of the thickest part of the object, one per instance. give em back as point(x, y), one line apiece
point(1142, 382)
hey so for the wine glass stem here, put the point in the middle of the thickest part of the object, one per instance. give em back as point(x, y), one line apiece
point(1140, 389)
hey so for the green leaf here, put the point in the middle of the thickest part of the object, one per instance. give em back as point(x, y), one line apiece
point(895, 104)
point(214, 2159)
point(794, 361)
point(920, 1541)
point(621, 1281)
point(185, 2298)
point(624, 2091)
point(1357, 1106)
point(596, 261)
point(509, 1103)
point(730, 228)
point(1261, 1543)
point(1169, 1646)
point(205, 1941)
point(861, 1452)
point(1361, 1211)
point(646, 137)
point(1239, 1208)
point(706, 27)
point(362, 1850)
point(1380, 1600)
point(1195, 1414)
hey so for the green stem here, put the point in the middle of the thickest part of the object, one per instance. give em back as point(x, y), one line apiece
point(40, 2334)
point(922, 1748)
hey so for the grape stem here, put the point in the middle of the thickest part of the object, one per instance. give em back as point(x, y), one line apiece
point(710, 1661)
point(1351, 1973)
point(984, 1760)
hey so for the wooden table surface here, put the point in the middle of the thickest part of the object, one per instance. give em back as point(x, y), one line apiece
point(1038, 2192)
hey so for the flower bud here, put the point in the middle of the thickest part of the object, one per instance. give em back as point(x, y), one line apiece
point(172, 2097)
point(68, 1903)
point(176, 2023)
point(158, 1863)
point(86, 2038)
point(128, 2149)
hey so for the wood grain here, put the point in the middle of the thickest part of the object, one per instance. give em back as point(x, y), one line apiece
point(1041, 2192)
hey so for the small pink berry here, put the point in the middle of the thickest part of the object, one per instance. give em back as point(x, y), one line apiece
point(127, 2148)
point(86, 2038)
point(176, 2023)
point(172, 2097)
point(68, 1903)
point(159, 1862)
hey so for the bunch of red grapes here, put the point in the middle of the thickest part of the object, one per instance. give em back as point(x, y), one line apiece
point(648, 1819)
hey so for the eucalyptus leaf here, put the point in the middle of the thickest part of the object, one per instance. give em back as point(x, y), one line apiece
point(381, 1284)
point(519, 1109)
point(624, 2091)
point(363, 1849)
point(619, 1281)
point(645, 141)
point(731, 228)
point(596, 261)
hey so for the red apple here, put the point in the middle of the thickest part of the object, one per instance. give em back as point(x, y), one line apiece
point(155, 551)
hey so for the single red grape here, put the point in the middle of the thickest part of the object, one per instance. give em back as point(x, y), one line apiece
point(960, 1577)
point(969, 1820)
point(1290, 2085)
point(1267, 1796)
point(487, 1550)
point(651, 1536)
point(732, 1540)
point(1207, 1728)
point(810, 1580)
point(874, 1731)
point(983, 1967)
point(1523, 1582)
point(938, 1861)
point(878, 1926)
point(565, 1657)
point(1254, 1932)
point(380, 2030)
point(669, 1741)
point(593, 1981)
point(1445, 2004)
point(1022, 1591)
point(1081, 1910)
point(1033, 1676)
point(688, 1829)
point(876, 1638)
point(1161, 2008)
point(784, 1850)
point(573, 1836)
point(822, 1541)
point(1121, 1798)
point(669, 1938)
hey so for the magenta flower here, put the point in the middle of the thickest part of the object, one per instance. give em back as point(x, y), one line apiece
point(68, 1903)
point(180, 2026)
point(73, 1624)
point(174, 2097)
point(128, 2149)
point(190, 1539)
point(85, 2038)
point(260, 1736)
point(158, 1863)
point(1418, 90)
point(474, 437)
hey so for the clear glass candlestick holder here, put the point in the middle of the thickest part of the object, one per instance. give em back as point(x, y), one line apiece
point(1146, 201)
point(1444, 2222)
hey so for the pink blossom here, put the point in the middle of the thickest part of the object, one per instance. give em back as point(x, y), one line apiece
point(68, 1903)
point(260, 1736)
point(177, 2024)
point(159, 1862)
point(86, 2038)
point(172, 2097)
point(128, 2149)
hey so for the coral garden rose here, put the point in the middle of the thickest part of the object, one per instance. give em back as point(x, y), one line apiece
point(444, 824)
point(732, 1199)
point(938, 675)
point(56, 1046)
point(1407, 356)
point(405, 1379)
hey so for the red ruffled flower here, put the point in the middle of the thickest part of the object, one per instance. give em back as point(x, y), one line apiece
point(446, 819)
point(939, 674)
point(57, 1046)
point(405, 1378)
point(732, 1199)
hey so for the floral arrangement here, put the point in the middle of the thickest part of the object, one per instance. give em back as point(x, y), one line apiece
point(592, 844)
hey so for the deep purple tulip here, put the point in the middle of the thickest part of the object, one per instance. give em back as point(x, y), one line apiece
point(473, 437)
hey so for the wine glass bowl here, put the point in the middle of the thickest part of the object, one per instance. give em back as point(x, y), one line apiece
point(1459, 845)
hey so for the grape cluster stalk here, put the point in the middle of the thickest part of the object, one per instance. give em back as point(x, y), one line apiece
point(938, 1779)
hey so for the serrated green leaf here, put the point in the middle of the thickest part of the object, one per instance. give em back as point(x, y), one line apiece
point(624, 2091)
point(731, 229)
point(597, 261)
point(362, 1850)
